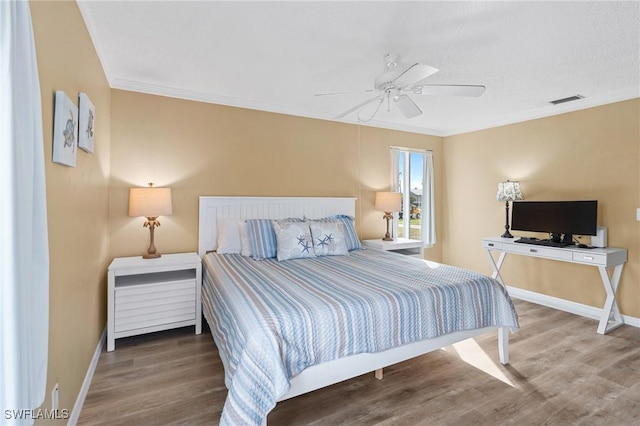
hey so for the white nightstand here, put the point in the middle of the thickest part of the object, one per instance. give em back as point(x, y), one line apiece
point(405, 246)
point(147, 295)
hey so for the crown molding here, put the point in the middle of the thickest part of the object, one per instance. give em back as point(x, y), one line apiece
point(152, 89)
point(546, 111)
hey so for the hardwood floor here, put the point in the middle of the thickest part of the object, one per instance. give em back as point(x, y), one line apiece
point(561, 373)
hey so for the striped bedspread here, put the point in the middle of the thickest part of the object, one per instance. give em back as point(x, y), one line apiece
point(270, 320)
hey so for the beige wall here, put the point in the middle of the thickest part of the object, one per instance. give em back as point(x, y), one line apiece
point(204, 149)
point(77, 199)
point(588, 154)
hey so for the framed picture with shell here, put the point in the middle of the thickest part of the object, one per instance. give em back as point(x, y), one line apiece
point(65, 130)
point(87, 114)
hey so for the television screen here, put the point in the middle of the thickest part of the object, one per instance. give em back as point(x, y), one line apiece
point(558, 217)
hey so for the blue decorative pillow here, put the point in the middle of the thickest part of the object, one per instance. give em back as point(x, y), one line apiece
point(263, 238)
point(294, 240)
point(328, 239)
point(350, 234)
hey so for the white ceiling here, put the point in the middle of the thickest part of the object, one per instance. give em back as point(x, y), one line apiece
point(274, 56)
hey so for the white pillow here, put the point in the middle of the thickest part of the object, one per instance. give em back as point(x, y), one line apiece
point(329, 238)
point(245, 239)
point(293, 240)
point(229, 236)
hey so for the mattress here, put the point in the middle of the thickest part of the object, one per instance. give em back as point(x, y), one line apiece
point(270, 320)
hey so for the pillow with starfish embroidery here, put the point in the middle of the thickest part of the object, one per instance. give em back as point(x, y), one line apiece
point(293, 240)
point(329, 238)
point(350, 234)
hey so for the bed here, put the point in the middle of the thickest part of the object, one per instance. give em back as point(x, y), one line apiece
point(284, 328)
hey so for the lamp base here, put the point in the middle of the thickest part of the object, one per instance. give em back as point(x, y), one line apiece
point(387, 236)
point(151, 253)
point(506, 234)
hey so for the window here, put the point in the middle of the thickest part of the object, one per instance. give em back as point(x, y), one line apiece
point(412, 175)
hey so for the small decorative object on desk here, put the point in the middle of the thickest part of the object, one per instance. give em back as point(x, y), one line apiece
point(150, 202)
point(508, 191)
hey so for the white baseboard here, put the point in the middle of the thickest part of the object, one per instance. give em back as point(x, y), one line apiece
point(77, 407)
point(565, 305)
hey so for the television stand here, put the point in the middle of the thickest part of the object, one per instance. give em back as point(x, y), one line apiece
point(602, 258)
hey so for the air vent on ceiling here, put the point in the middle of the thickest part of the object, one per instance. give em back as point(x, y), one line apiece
point(569, 99)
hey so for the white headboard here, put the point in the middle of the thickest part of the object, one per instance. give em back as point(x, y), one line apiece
point(214, 208)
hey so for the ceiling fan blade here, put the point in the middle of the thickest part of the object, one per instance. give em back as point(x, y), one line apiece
point(448, 89)
point(407, 106)
point(414, 74)
point(345, 92)
point(357, 107)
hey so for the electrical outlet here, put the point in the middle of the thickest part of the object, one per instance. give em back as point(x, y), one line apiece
point(638, 215)
point(55, 397)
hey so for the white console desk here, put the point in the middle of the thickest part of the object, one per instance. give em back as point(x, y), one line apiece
point(600, 257)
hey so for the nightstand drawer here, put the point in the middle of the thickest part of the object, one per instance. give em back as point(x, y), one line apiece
point(164, 290)
point(146, 305)
point(590, 258)
point(146, 318)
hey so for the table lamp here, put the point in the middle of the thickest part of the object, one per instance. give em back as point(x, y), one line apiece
point(508, 191)
point(150, 202)
point(388, 202)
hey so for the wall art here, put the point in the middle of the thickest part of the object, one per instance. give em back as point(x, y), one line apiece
point(65, 130)
point(87, 114)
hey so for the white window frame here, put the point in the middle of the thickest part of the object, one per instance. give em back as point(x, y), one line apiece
point(428, 234)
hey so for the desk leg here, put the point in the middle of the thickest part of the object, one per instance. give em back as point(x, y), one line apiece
point(496, 265)
point(610, 309)
point(503, 345)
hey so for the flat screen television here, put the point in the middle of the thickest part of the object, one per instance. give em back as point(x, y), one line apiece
point(562, 219)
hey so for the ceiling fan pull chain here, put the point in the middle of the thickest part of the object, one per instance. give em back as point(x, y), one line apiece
point(374, 112)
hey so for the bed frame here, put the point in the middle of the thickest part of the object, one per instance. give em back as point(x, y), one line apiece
point(328, 373)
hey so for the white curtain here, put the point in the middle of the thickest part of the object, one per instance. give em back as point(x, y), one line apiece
point(428, 202)
point(24, 247)
point(428, 228)
point(394, 179)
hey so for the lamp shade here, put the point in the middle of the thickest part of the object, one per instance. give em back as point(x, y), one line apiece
point(509, 191)
point(388, 201)
point(150, 202)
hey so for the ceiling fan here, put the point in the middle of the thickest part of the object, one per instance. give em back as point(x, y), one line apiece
point(398, 81)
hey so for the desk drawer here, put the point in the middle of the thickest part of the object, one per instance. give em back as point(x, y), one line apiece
point(493, 245)
point(542, 251)
point(590, 258)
